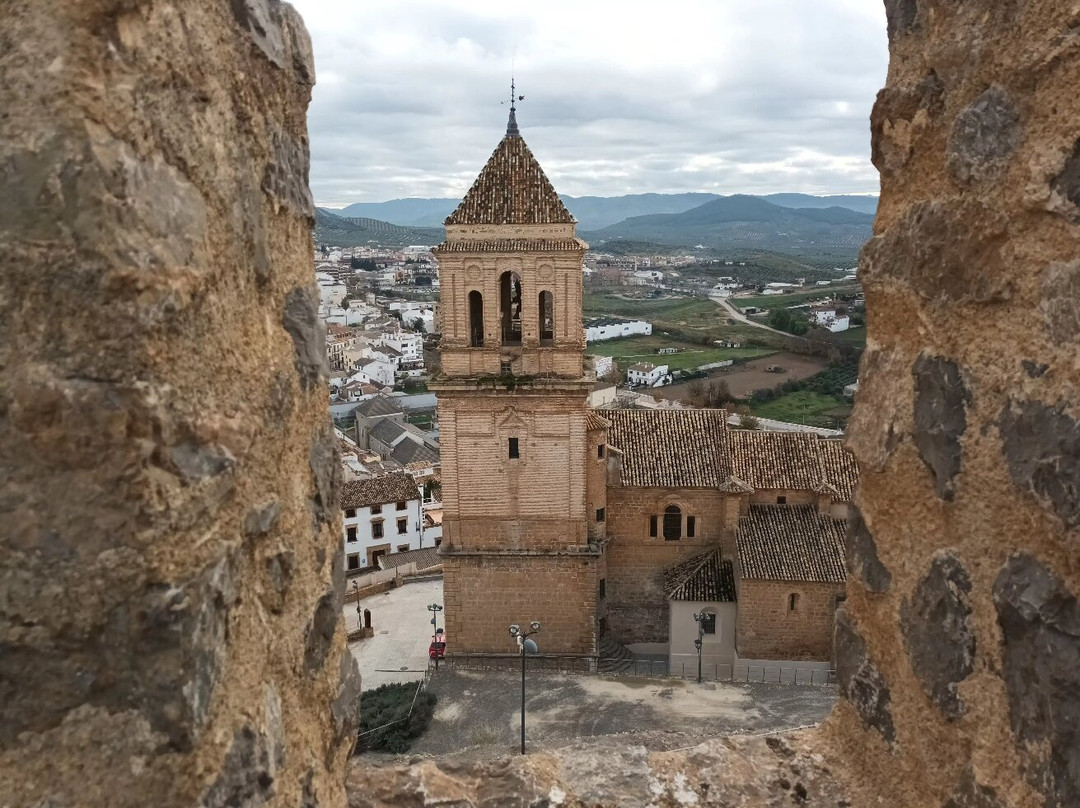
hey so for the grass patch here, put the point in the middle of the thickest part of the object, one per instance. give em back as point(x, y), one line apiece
point(629, 350)
point(401, 719)
point(804, 407)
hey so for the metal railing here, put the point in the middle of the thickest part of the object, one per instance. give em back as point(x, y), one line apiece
point(657, 668)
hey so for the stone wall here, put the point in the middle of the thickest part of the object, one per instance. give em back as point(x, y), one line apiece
point(637, 606)
point(484, 594)
point(959, 647)
point(767, 628)
point(170, 560)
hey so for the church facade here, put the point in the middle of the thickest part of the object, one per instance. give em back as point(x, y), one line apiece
point(592, 522)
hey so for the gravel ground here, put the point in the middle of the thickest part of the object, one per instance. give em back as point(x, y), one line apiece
point(480, 711)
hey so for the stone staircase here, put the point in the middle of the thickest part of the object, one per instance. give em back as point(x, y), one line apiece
point(614, 658)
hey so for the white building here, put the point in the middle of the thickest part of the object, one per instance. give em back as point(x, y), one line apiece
point(602, 365)
point(646, 374)
point(382, 516)
point(828, 317)
point(407, 343)
point(602, 328)
point(374, 371)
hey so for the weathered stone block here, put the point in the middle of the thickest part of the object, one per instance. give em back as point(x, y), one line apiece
point(937, 631)
point(941, 400)
point(983, 138)
point(860, 681)
point(301, 320)
point(862, 557)
point(1041, 445)
point(1040, 629)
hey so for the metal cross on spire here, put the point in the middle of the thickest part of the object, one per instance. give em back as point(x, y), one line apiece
point(511, 125)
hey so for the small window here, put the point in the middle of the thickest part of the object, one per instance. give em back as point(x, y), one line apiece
point(708, 623)
point(515, 453)
point(653, 525)
point(401, 506)
point(505, 367)
point(600, 452)
point(350, 513)
point(350, 534)
point(402, 526)
point(376, 530)
point(354, 561)
point(781, 500)
point(403, 548)
point(599, 514)
point(376, 509)
point(438, 542)
point(691, 523)
point(672, 523)
point(603, 588)
point(793, 602)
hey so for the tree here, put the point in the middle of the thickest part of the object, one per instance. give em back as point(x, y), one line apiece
point(748, 421)
point(417, 325)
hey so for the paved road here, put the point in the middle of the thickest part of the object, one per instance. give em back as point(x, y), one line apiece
point(737, 315)
point(398, 651)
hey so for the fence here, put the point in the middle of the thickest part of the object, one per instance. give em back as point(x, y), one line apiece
point(643, 666)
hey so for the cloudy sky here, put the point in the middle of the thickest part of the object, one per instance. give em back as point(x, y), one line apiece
point(727, 96)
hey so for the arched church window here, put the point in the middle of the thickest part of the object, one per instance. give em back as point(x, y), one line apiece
point(546, 310)
point(510, 307)
point(672, 523)
point(476, 319)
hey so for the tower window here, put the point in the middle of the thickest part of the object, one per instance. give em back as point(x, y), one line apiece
point(600, 452)
point(510, 307)
point(691, 524)
point(514, 451)
point(600, 514)
point(653, 526)
point(793, 602)
point(546, 310)
point(476, 319)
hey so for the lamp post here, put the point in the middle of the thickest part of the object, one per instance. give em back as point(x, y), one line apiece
point(356, 594)
point(435, 608)
point(526, 646)
point(699, 618)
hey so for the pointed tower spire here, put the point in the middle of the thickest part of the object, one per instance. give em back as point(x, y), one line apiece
point(511, 125)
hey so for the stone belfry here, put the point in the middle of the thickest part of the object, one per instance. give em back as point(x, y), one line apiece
point(512, 390)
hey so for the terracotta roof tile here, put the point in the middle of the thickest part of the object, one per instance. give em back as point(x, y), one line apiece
point(798, 461)
point(672, 448)
point(704, 577)
point(511, 189)
point(595, 421)
point(394, 487)
point(791, 543)
point(839, 467)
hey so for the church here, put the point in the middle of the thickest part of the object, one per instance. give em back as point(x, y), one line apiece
point(609, 527)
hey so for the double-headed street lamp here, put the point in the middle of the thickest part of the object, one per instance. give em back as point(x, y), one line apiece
point(526, 646)
point(699, 618)
point(435, 608)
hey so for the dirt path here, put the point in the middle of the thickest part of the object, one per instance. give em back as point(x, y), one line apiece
point(744, 379)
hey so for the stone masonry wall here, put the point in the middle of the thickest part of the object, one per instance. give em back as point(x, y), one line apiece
point(483, 595)
point(637, 606)
point(959, 647)
point(767, 629)
point(171, 575)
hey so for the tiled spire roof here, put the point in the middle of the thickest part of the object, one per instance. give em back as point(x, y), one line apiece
point(512, 189)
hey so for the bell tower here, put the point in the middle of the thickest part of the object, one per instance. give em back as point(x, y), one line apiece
point(512, 392)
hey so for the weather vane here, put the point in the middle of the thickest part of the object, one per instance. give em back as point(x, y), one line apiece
point(514, 98)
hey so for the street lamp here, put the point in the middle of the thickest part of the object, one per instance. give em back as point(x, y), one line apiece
point(356, 594)
point(699, 618)
point(526, 646)
point(435, 608)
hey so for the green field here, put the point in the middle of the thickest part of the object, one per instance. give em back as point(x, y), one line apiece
point(629, 350)
point(806, 407)
point(791, 299)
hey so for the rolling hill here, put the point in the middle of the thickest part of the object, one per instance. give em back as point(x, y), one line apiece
point(748, 222)
point(337, 231)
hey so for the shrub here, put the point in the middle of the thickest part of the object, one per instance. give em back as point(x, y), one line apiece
point(390, 705)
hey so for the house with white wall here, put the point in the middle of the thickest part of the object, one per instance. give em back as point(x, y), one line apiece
point(828, 317)
point(599, 329)
point(381, 516)
point(646, 374)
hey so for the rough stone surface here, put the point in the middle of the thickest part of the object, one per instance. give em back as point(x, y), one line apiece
point(154, 220)
point(301, 320)
point(1060, 291)
point(1067, 183)
point(941, 400)
point(1040, 627)
point(983, 137)
point(938, 633)
point(738, 772)
point(901, 16)
point(1041, 445)
point(969, 794)
point(863, 563)
point(860, 679)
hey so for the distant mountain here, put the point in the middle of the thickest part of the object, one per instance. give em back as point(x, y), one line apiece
point(748, 222)
point(337, 231)
point(861, 204)
point(592, 212)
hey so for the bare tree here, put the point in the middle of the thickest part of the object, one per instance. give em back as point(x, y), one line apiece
point(748, 421)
